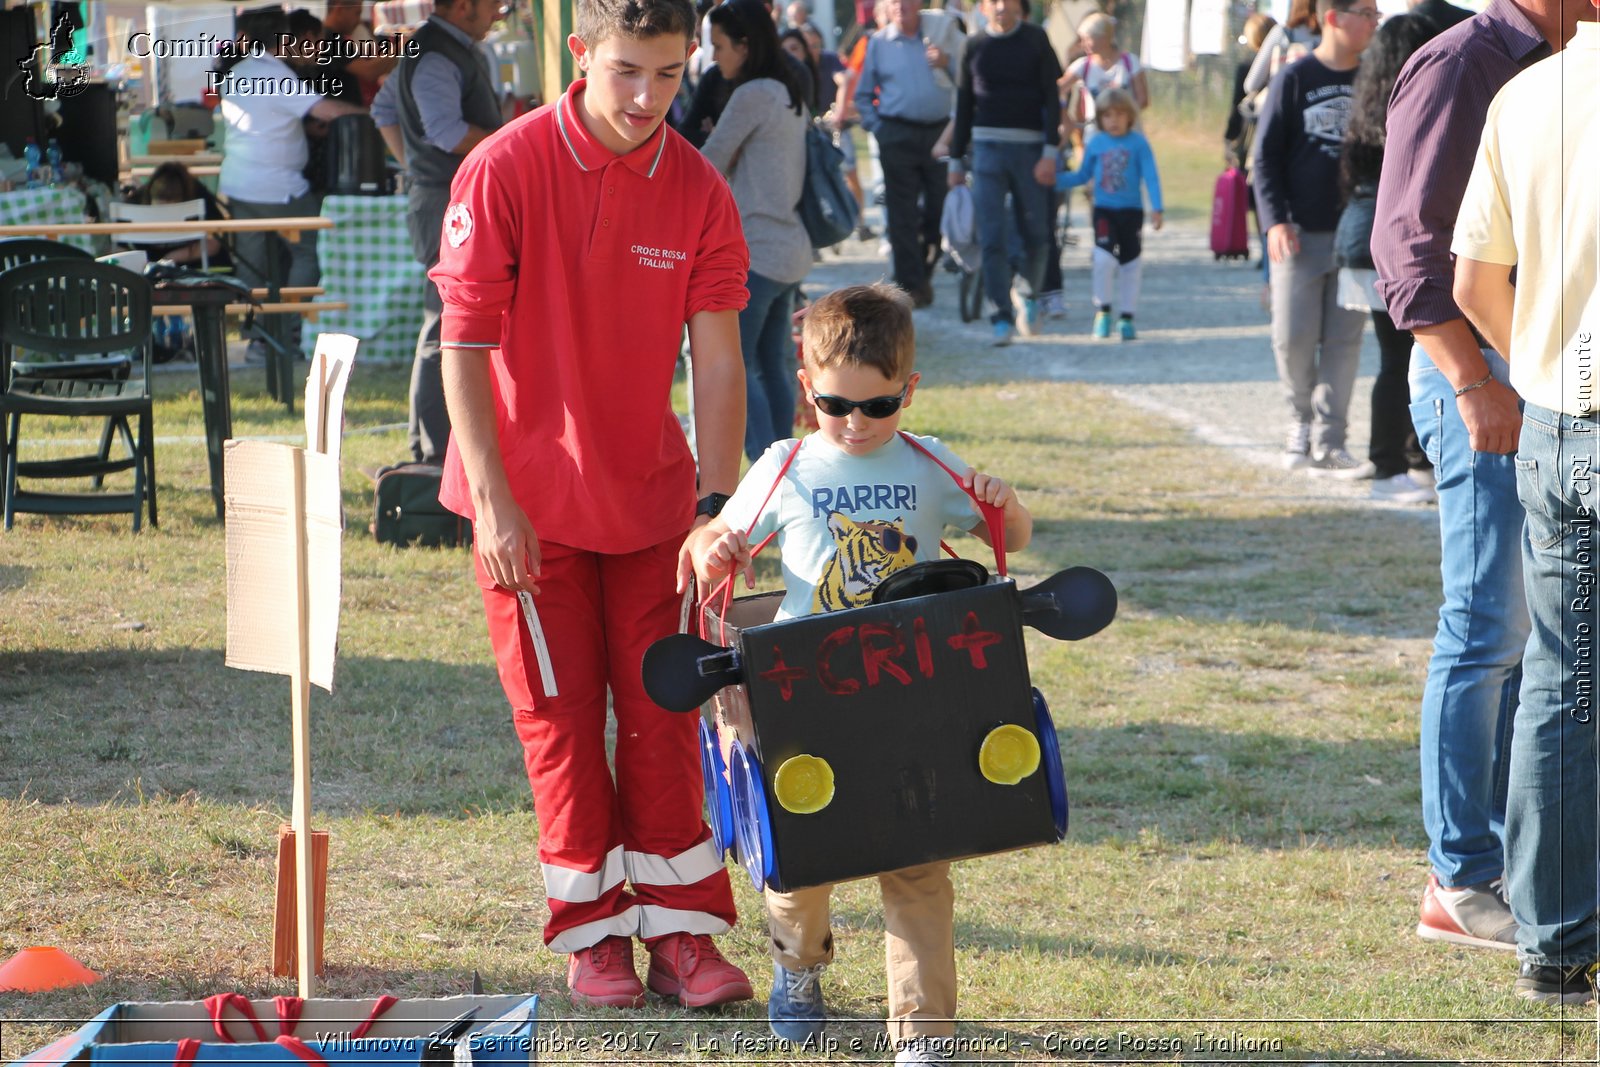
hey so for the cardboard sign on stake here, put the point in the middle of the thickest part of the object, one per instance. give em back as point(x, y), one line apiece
point(284, 525)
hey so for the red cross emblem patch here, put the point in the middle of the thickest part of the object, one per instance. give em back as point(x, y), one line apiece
point(457, 225)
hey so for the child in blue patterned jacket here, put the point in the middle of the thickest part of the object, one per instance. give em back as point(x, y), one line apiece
point(1117, 159)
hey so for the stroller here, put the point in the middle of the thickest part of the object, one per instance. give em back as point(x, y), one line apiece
point(958, 227)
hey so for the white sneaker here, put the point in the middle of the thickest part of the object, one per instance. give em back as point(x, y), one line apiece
point(1297, 446)
point(1402, 489)
point(1423, 476)
point(1338, 463)
point(923, 1051)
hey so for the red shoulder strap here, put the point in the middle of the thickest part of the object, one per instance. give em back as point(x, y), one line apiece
point(725, 588)
point(188, 1048)
point(993, 517)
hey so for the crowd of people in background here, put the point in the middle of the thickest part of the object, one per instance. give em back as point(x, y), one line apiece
point(932, 95)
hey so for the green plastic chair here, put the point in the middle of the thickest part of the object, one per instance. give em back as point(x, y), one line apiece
point(14, 252)
point(74, 319)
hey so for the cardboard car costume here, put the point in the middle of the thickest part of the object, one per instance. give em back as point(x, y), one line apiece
point(845, 744)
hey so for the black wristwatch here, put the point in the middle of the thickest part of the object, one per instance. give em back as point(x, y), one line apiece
point(710, 505)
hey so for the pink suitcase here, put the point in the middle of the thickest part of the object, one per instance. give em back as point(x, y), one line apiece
point(1229, 210)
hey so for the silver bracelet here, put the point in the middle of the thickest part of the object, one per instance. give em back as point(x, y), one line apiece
point(1479, 384)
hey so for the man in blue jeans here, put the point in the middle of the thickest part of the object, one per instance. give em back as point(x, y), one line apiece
point(1468, 419)
point(1532, 205)
point(1008, 110)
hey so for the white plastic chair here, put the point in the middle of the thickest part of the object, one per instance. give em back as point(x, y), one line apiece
point(182, 211)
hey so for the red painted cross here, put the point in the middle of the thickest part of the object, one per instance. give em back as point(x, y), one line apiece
point(973, 640)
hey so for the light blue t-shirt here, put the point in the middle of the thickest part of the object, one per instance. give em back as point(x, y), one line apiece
point(846, 522)
point(1116, 166)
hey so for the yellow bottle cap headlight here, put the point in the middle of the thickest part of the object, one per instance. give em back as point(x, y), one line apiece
point(1008, 755)
point(803, 784)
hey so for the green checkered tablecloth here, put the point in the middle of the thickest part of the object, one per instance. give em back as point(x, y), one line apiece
point(367, 262)
point(28, 207)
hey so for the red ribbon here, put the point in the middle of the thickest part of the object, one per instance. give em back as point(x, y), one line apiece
point(384, 1003)
point(220, 1003)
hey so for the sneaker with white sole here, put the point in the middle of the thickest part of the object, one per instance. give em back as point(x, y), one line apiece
point(1338, 463)
point(1055, 304)
point(1402, 489)
point(1555, 985)
point(1423, 476)
point(1473, 915)
point(1029, 322)
point(795, 1010)
point(1002, 332)
point(923, 1051)
point(1297, 446)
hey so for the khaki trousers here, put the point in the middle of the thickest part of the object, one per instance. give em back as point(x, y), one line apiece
point(919, 906)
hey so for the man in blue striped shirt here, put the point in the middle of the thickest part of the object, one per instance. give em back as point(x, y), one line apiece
point(904, 96)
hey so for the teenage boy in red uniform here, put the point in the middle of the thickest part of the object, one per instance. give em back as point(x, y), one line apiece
point(578, 242)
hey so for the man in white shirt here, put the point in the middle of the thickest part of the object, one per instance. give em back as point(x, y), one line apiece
point(263, 105)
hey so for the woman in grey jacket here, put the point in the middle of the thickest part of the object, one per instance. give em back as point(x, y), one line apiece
point(759, 144)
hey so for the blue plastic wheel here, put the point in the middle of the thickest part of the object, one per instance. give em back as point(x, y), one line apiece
point(751, 823)
point(1055, 776)
point(719, 798)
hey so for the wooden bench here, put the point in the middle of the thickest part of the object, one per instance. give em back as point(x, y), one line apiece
point(309, 308)
point(292, 292)
point(141, 171)
point(156, 159)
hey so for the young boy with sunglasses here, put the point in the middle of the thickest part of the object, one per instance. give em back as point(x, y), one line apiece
point(852, 504)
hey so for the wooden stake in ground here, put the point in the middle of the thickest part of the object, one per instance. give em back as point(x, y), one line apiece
point(284, 527)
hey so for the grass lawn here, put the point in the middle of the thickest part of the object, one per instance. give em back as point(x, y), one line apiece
point(1240, 880)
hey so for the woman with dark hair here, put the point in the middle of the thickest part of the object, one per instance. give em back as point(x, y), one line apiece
point(794, 42)
point(759, 144)
point(1403, 474)
point(172, 183)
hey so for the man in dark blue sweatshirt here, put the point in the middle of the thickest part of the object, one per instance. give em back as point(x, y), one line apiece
point(1316, 341)
point(1008, 112)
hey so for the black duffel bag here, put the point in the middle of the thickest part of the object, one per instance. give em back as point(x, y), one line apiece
point(408, 511)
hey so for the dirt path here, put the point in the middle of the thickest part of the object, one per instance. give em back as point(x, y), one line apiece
point(1203, 358)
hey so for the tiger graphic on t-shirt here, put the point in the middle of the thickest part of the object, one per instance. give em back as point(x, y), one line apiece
point(865, 554)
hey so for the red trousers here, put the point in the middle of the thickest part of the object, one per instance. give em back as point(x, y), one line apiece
point(629, 855)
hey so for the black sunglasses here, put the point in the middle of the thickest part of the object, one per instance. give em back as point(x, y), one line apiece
point(879, 407)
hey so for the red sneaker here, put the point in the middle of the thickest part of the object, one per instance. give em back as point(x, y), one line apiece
point(1474, 915)
point(689, 967)
point(602, 975)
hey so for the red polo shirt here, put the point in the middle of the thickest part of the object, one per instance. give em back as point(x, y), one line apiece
point(580, 268)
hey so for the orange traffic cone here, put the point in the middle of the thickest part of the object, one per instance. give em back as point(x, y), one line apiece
point(35, 970)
